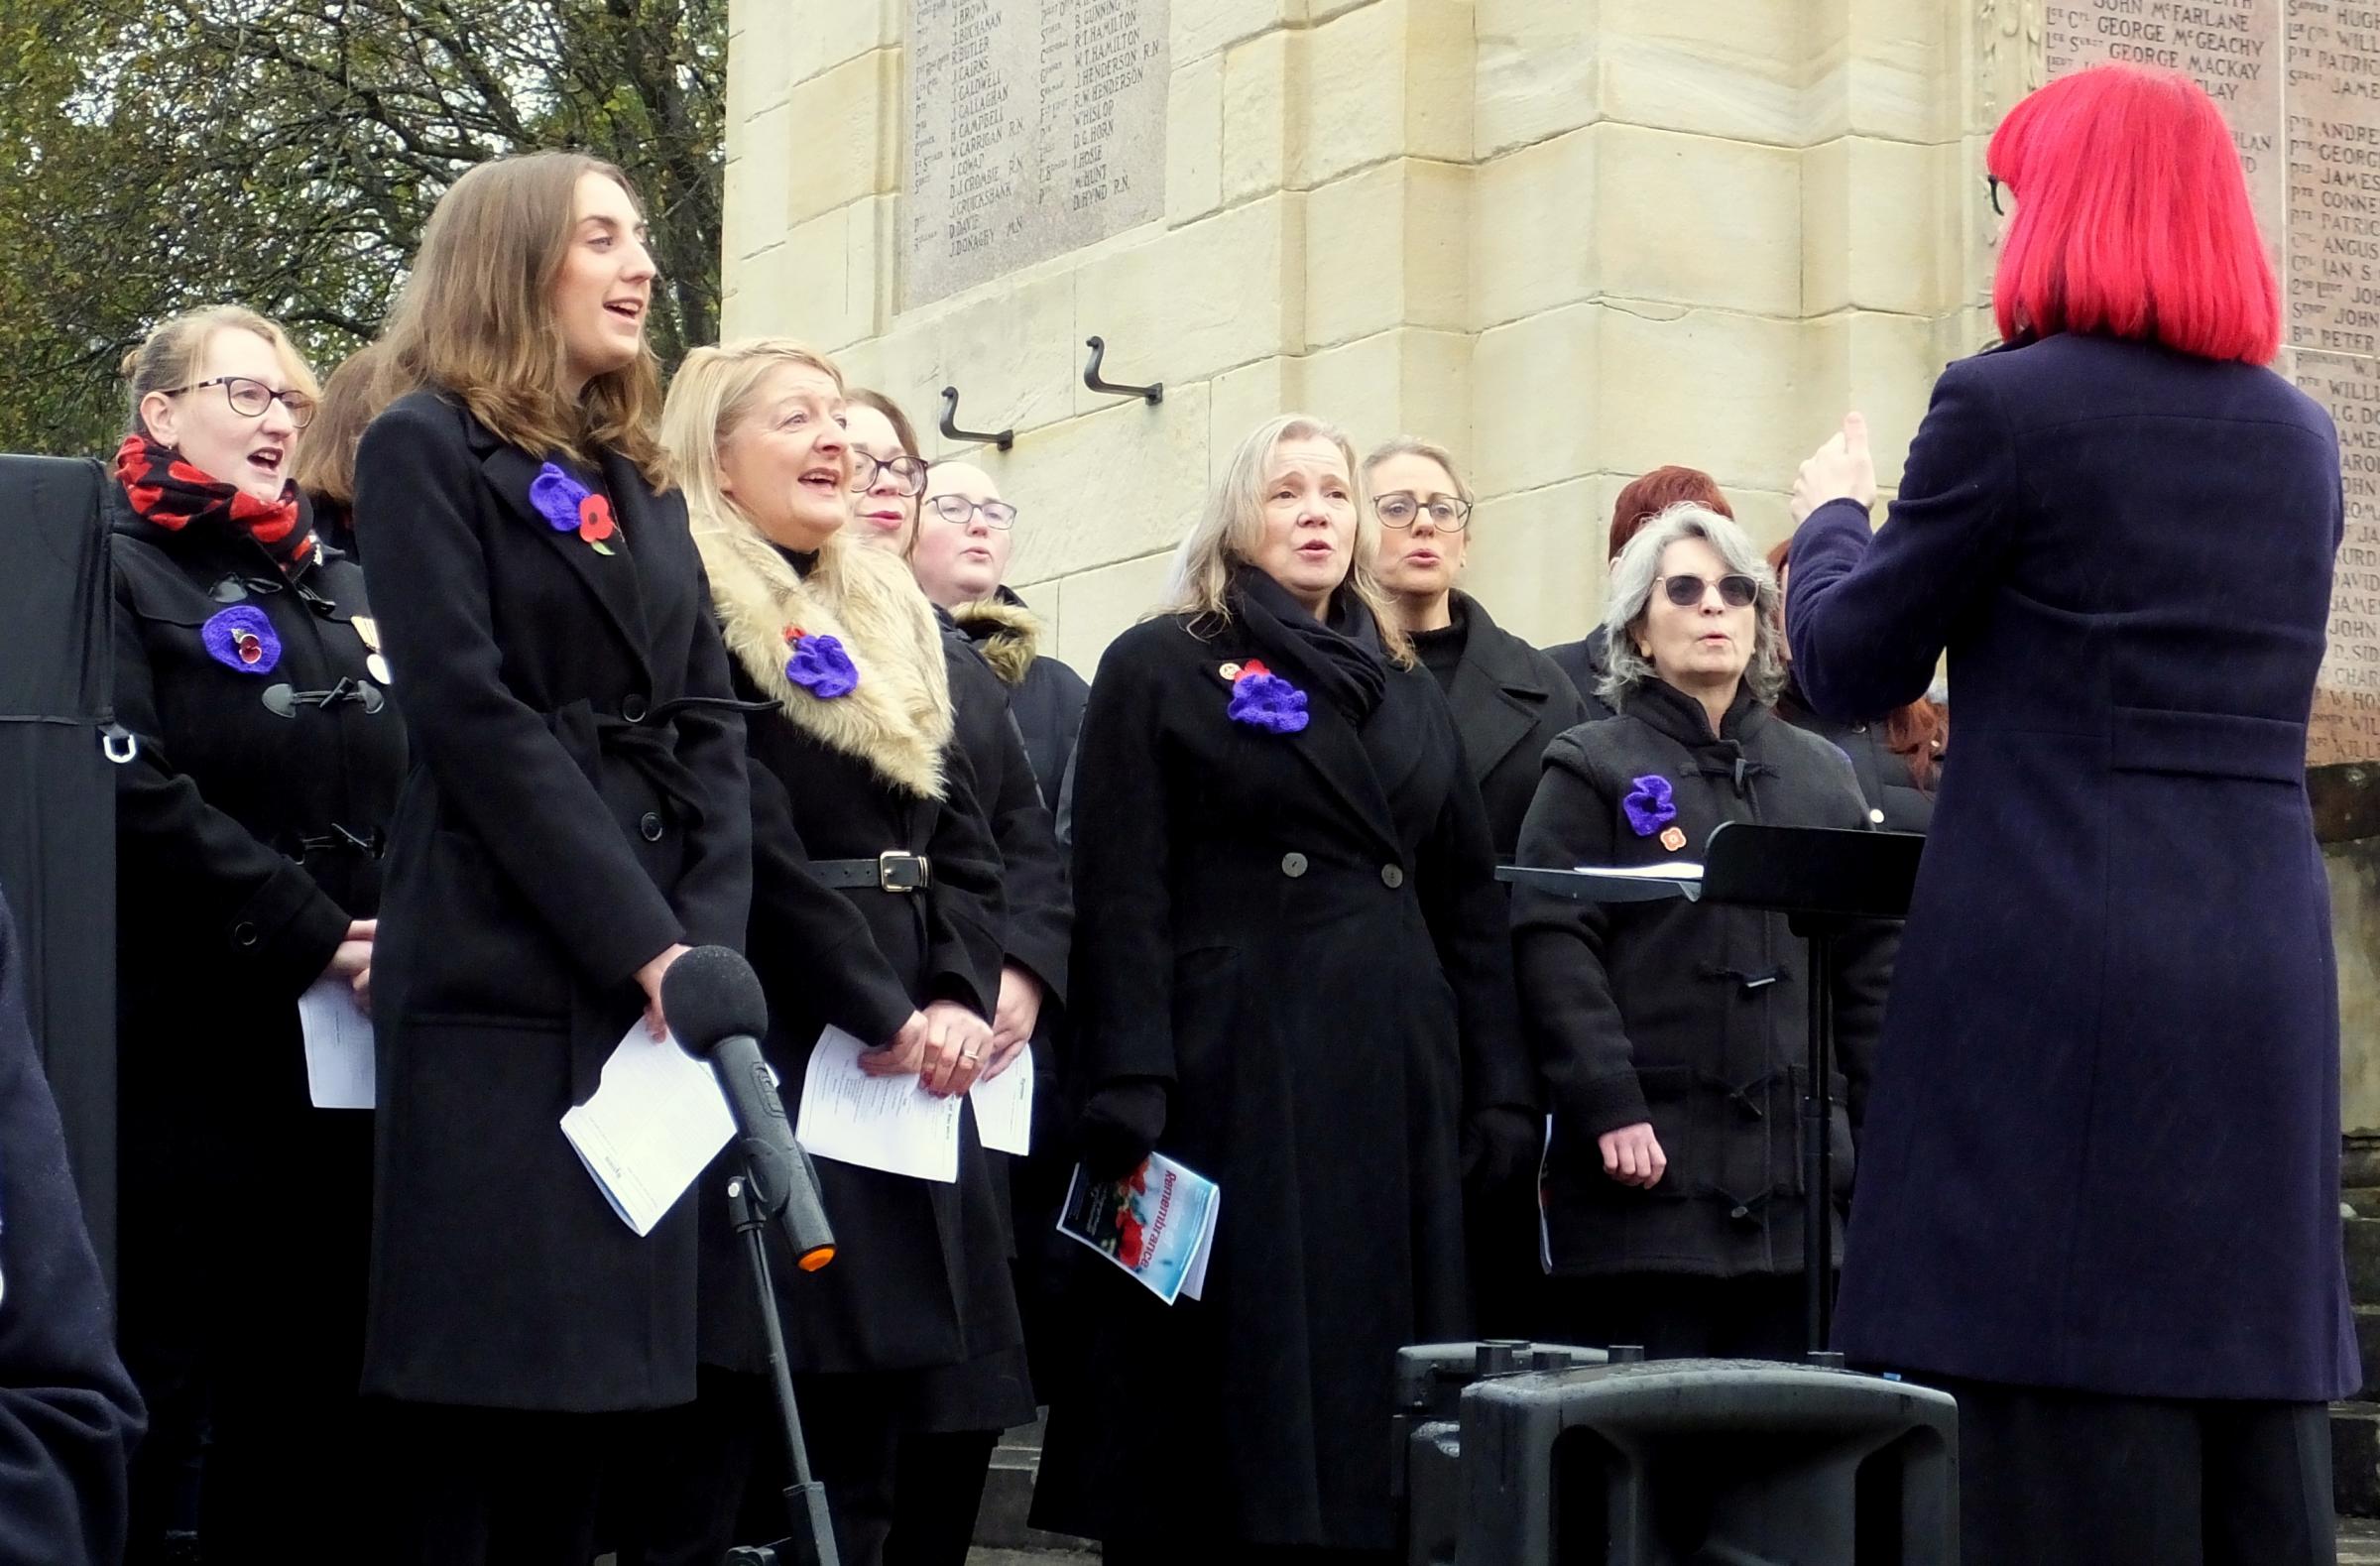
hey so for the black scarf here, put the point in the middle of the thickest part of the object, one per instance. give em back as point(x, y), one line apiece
point(1339, 658)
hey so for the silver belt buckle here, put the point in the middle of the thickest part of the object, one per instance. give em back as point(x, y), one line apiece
point(897, 870)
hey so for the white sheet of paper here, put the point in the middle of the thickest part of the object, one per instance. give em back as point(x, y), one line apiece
point(1196, 1278)
point(656, 1121)
point(1003, 1107)
point(338, 1045)
point(890, 1123)
point(1675, 870)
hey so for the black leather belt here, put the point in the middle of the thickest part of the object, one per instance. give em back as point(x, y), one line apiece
point(891, 871)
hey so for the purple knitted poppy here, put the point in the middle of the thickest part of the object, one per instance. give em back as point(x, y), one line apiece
point(555, 494)
point(820, 666)
point(242, 640)
point(1268, 703)
point(1649, 804)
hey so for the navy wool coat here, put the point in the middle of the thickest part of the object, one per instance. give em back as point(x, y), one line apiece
point(2101, 1150)
point(577, 803)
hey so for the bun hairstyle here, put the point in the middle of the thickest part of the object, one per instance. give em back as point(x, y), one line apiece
point(170, 355)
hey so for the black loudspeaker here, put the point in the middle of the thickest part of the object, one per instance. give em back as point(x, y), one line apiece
point(1425, 1459)
point(57, 800)
point(1707, 1463)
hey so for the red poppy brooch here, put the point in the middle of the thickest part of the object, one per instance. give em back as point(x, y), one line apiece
point(1263, 699)
point(570, 507)
point(819, 665)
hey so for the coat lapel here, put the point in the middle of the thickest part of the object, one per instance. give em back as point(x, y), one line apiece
point(611, 579)
point(1333, 750)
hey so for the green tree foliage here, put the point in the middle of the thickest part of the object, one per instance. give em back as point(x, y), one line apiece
point(283, 154)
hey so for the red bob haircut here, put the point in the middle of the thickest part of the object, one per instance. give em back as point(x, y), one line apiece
point(2132, 219)
point(1653, 494)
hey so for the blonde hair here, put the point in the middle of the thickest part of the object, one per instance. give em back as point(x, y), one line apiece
point(1415, 446)
point(477, 316)
point(1231, 527)
point(325, 466)
point(170, 355)
point(712, 392)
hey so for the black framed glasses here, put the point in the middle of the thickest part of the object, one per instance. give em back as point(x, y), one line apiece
point(959, 510)
point(1687, 590)
point(249, 398)
point(908, 473)
point(1402, 507)
point(1992, 185)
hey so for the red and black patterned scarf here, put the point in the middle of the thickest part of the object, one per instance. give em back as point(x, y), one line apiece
point(171, 493)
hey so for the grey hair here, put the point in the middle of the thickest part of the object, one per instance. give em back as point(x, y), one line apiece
point(1633, 594)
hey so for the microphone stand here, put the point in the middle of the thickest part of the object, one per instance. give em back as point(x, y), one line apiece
point(813, 1541)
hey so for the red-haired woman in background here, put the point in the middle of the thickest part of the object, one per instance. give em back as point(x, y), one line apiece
point(1897, 758)
point(1640, 501)
point(2098, 1185)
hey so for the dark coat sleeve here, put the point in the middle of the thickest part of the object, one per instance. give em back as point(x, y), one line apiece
point(274, 926)
point(1039, 925)
point(798, 922)
point(967, 915)
point(1582, 1051)
point(1869, 615)
point(1464, 906)
point(69, 1413)
point(1123, 872)
point(535, 814)
point(713, 893)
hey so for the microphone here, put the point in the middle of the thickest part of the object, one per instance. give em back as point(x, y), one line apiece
point(715, 1006)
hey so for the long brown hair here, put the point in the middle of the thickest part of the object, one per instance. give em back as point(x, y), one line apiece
point(1919, 734)
point(325, 466)
point(477, 316)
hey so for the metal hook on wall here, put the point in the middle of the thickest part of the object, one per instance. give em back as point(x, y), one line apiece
point(1002, 438)
point(1099, 350)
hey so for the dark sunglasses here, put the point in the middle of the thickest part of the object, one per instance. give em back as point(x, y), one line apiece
point(1686, 591)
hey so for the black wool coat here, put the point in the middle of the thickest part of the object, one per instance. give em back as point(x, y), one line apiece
point(2104, 1148)
point(920, 1278)
point(1584, 663)
point(1510, 701)
point(1046, 696)
point(68, 1415)
point(577, 803)
point(1895, 803)
point(1693, 1018)
point(1305, 945)
point(250, 825)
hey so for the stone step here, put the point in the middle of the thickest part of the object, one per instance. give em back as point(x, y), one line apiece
point(2355, 1459)
point(1009, 1497)
point(2364, 1256)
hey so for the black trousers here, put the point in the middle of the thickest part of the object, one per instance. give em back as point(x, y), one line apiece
point(499, 1486)
point(1241, 1555)
point(2076, 1479)
point(1676, 1317)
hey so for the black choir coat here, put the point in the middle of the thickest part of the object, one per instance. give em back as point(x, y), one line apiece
point(1046, 696)
point(1694, 1017)
point(1586, 665)
point(249, 828)
point(1309, 950)
point(577, 803)
point(2102, 1150)
point(68, 1415)
point(1895, 802)
point(920, 1281)
point(1510, 702)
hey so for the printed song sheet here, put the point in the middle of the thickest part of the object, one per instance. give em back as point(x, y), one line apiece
point(1003, 1107)
point(338, 1047)
point(1156, 1223)
point(879, 1123)
point(656, 1121)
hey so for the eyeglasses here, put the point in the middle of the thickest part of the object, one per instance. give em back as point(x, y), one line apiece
point(250, 397)
point(1686, 591)
point(1991, 182)
point(1401, 509)
point(960, 510)
point(908, 474)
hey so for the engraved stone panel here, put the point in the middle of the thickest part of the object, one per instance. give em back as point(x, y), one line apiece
point(1036, 126)
point(2335, 175)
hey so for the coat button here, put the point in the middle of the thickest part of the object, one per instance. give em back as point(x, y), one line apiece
point(1293, 864)
point(1859, 728)
point(651, 826)
point(1393, 875)
point(632, 708)
point(243, 933)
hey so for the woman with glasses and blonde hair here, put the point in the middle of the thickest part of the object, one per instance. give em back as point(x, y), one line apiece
point(1670, 1036)
point(577, 817)
point(1295, 980)
point(908, 1349)
point(266, 761)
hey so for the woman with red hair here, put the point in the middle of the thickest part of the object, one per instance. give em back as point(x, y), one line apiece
point(2098, 1183)
point(1640, 501)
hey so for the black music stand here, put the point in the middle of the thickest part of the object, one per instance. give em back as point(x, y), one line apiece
point(1825, 880)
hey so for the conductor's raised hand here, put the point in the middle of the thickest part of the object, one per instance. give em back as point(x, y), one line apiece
point(1841, 469)
point(1633, 1156)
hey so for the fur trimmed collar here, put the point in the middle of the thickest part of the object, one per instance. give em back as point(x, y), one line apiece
point(1004, 632)
point(899, 718)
